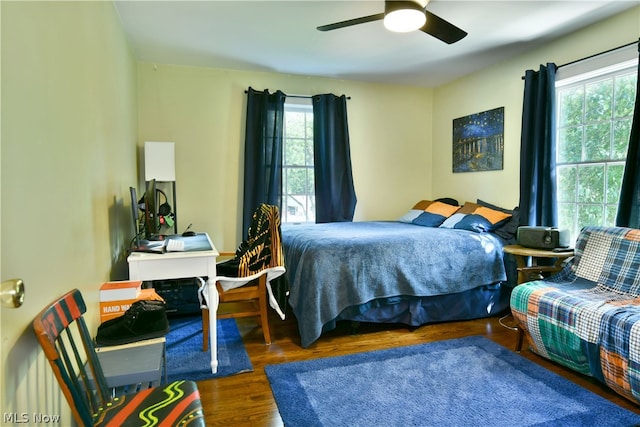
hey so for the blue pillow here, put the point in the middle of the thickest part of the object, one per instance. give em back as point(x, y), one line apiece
point(474, 222)
point(410, 216)
point(428, 219)
point(452, 220)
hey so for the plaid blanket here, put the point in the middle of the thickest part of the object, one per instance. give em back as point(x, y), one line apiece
point(587, 317)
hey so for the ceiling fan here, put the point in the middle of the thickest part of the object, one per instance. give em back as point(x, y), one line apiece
point(405, 16)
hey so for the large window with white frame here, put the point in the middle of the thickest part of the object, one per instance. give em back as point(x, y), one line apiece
point(594, 115)
point(298, 192)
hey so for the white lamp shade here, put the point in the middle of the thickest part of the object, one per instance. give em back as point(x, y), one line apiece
point(159, 161)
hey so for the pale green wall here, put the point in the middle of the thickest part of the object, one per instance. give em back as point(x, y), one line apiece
point(502, 86)
point(68, 157)
point(203, 111)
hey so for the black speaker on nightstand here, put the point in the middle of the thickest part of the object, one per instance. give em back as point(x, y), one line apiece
point(542, 237)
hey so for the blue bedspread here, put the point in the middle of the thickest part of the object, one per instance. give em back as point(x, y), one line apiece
point(336, 265)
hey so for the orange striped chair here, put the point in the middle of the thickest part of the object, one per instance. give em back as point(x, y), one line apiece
point(72, 356)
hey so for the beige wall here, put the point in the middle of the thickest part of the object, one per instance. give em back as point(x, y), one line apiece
point(68, 156)
point(502, 86)
point(203, 111)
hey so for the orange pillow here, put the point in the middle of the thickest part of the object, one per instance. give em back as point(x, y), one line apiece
point(491, 215)
point(442, 209)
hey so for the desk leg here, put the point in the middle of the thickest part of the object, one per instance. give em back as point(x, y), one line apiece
point(213, 303)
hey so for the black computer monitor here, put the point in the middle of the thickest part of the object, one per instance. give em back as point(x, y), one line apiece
point(135, 216)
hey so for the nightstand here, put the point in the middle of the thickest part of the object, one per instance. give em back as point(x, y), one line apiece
point(526, 272)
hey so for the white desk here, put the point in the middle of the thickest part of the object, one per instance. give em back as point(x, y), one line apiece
point(198, 260)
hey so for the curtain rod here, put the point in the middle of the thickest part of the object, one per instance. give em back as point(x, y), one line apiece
point(600, 53)
point(298, 96)
point(597, 54)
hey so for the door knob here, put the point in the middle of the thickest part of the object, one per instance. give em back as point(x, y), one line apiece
point(12, 293)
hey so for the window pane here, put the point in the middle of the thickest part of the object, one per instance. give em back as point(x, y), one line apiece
point(625, 94)
point(295, 152)
point(599, 100)
point(591, 184)
point(309, 124)
point(294, 123)
point(571, 106)
point(590, 214)
point(597, 142)
point(567, 183)
point(621, 135)
point(567, 218)
point(311, 189)
point(610, 215)
point(296, 181)
point(295, 209)
point(614, 182)
point(569, 145)
point(298, 209)
point(309, 153)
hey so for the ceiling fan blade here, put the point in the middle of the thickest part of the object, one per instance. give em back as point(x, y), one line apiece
point(441, 29)
point(351, 22)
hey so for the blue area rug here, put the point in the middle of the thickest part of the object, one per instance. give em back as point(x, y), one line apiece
point(187, 361)
point(463, 382)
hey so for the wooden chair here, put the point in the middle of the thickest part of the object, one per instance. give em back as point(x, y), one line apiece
point(249, 300)
point(242, 281)
point(73, 358)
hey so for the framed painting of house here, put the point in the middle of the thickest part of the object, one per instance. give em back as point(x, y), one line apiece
point(478, 141)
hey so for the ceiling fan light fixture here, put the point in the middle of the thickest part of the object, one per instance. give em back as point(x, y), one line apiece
point(403, 16)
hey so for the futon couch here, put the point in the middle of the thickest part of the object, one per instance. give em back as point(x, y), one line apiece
point(587, 316)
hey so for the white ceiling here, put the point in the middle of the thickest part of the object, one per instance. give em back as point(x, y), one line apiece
point(281, 36)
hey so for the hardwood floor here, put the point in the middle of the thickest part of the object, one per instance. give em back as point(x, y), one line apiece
point(246, 399)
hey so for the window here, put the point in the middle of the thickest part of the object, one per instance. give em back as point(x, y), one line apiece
point(298, 192)
point(594, 115)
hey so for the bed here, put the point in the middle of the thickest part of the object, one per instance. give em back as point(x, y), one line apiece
point(431, 265)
